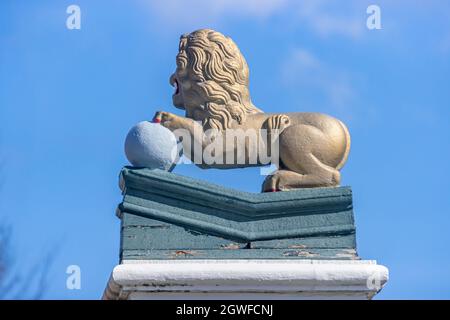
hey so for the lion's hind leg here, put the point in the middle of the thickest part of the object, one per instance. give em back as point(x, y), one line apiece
point(279, 180)
point(300, 167)
point(282, 180)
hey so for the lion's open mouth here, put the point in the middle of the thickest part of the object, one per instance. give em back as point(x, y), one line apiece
point(175, 84)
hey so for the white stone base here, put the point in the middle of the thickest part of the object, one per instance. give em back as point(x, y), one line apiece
point(246, 279)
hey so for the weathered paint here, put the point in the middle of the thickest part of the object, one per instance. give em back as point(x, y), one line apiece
point(316, 254)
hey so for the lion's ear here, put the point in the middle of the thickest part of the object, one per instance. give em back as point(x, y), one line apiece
point(237, 113)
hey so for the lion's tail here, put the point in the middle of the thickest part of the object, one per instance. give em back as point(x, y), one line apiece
point(347, 146)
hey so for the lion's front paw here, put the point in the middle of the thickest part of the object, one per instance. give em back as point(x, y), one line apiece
point(169, 120)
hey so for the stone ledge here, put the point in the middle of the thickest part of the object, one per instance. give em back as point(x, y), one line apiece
point(246, 279)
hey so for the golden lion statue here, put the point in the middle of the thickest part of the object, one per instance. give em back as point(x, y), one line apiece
point(211, 85)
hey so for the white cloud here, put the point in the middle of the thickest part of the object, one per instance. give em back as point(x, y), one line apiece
point(256, 8)
point(325, 18)
point(328, 18)
point(302, 71)
point(201, 12)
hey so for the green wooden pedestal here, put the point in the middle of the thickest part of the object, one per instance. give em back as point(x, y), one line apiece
point(168, 216)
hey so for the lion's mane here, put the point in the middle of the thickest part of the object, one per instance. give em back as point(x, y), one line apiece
point(218, 73)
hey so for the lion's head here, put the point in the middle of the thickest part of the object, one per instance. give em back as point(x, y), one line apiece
point(211, 80)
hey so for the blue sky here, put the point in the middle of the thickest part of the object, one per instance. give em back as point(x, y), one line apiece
point(69, 97)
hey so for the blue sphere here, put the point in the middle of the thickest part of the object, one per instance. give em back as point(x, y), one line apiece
point(152, 146)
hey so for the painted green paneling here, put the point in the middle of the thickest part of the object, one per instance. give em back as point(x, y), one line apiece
point(143, 234)
point(168, 216)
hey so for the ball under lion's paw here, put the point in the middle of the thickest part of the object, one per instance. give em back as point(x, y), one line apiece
point(152, 146)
